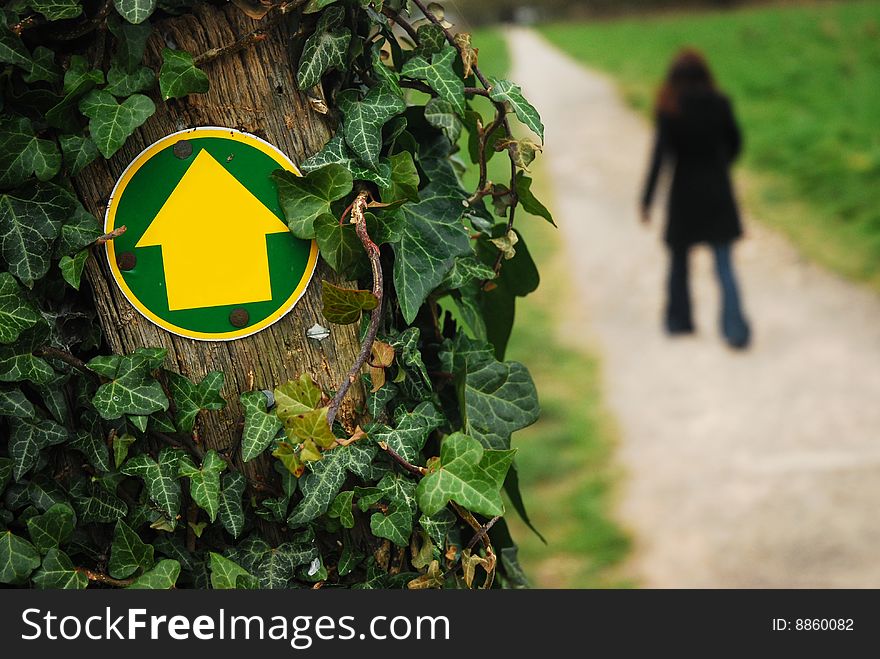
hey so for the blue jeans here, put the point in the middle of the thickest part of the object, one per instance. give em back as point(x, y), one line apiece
point(678, 310)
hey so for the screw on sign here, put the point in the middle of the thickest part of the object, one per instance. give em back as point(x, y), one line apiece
point(207, 253)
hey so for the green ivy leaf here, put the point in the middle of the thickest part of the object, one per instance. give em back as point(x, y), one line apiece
point(310, 426)
point(204, 482)
point(179, 76)
point(431, 39)
point(72, 267)
point(441, 114)
point(159, 477)
point(338, 243)
point(18, 558)
point(162, 576)
point(16, 313)
point(79, 71)
point(79, 230)
point(120, 448)
point(296, 397)
point(528, 201)
point(93, 447)
point(30, 218)
point(226, 574)
point(111, 123)
point(411, 433)
point(43, 67)
point(122, 83)
point(404, 184)
point(78, 152)
point(12, 50)
point(131, 42)
point(440, 76)
point(260, 428)
point(230, 509)
point(325, 50)
point(504, 91)
point(468, 474)
point(23, 154)
point(326, 477)
point(395, 525)
point(59, 573)
point(53, 528)
point(438, 526)
point(99, 505)
point(128, 552)
point(57, 10)
point(467, 269)
point(363, 120)
point(135, 11)
point(27, 438)
point(344, 306)
point(433, 236)
point(341, 509)
point(498, 398)
point(190, 398)
point(304, 198)
point(131, 390)
point(14, 403)
point(17, 361)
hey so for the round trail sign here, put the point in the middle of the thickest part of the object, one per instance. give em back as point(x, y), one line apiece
point(206, 253)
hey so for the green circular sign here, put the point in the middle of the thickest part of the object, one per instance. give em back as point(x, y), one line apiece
point(207, 253)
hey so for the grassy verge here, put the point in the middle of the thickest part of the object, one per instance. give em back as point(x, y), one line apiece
point(806, 84)
point(564, 460)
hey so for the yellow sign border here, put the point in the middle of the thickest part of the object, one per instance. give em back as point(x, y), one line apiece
point(110, 217)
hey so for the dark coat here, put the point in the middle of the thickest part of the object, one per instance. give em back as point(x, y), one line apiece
point(701, 142)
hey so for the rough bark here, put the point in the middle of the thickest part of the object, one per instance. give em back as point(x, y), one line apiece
point(253, 90)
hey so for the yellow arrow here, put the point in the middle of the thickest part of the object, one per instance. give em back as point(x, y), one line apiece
point(212, 231)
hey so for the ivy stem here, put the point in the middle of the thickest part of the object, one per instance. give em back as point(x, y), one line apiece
point(482, 532)
point(49, 352)
point(358, 219)
point(100, 577)
point(399, 459)
point(405, 26)
point(118, 231)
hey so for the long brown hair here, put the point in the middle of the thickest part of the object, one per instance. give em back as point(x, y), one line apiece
point(688, 71)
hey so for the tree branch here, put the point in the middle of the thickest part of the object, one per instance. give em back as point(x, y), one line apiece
point(358, 219)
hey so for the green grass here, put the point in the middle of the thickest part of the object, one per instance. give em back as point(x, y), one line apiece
point(565, 459)
point(806, 85)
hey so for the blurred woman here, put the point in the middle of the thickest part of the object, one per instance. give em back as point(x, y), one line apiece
point(698, 136)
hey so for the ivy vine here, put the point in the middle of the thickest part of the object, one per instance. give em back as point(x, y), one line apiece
point(105, 480)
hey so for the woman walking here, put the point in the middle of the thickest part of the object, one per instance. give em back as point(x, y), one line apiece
point(698, 135)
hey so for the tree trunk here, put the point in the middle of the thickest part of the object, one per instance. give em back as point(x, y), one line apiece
point(253, 90)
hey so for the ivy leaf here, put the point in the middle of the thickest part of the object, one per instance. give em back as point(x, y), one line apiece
point(440, 76)
point(469, 475)
point(321, 485)
point(131, 42)
point(78, 231)
point(498, 397)
point(17, 361)
point(363, 120)
point(93, 447)
point(344, 306)
point(260, 428)
point(465, 270)
point(57, 10)
point(296, 397)
point(111, 123)
point(16, 313)
point(441, 114)
point(528, 201)
point(30, 218)
point(325, 50)
point(190, 398)
point(53, 528)
point(23, 154)
point(229, 508)
point(411, 433)
point(59, 573)
point(135, 11)
point(120, 448)
point(395, 525)
point(433, 236)
point(27, 438)
point(404, 182)
point(43, 67)
point(226, 574)
point(338, 243)
point(311, 425)
point(79, 71)
point(341, 509)
point(128, 552)
point(179, 76)
point(438, 526)
point(18, 558)
point(78, 152)
point(122, 83)
point(99, 505)
point(131, 390)
point(162, 576)
point(160, 478)
point(304, 198)
point(14, 403)
point(12, 50)
point(72, 267)
point(204, 482)
point(504, 91)
point(431, 39)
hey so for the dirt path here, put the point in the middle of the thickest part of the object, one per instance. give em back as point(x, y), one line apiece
point(743, 470)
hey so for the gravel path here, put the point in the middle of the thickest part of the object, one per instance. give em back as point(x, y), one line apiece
point(756, 469)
